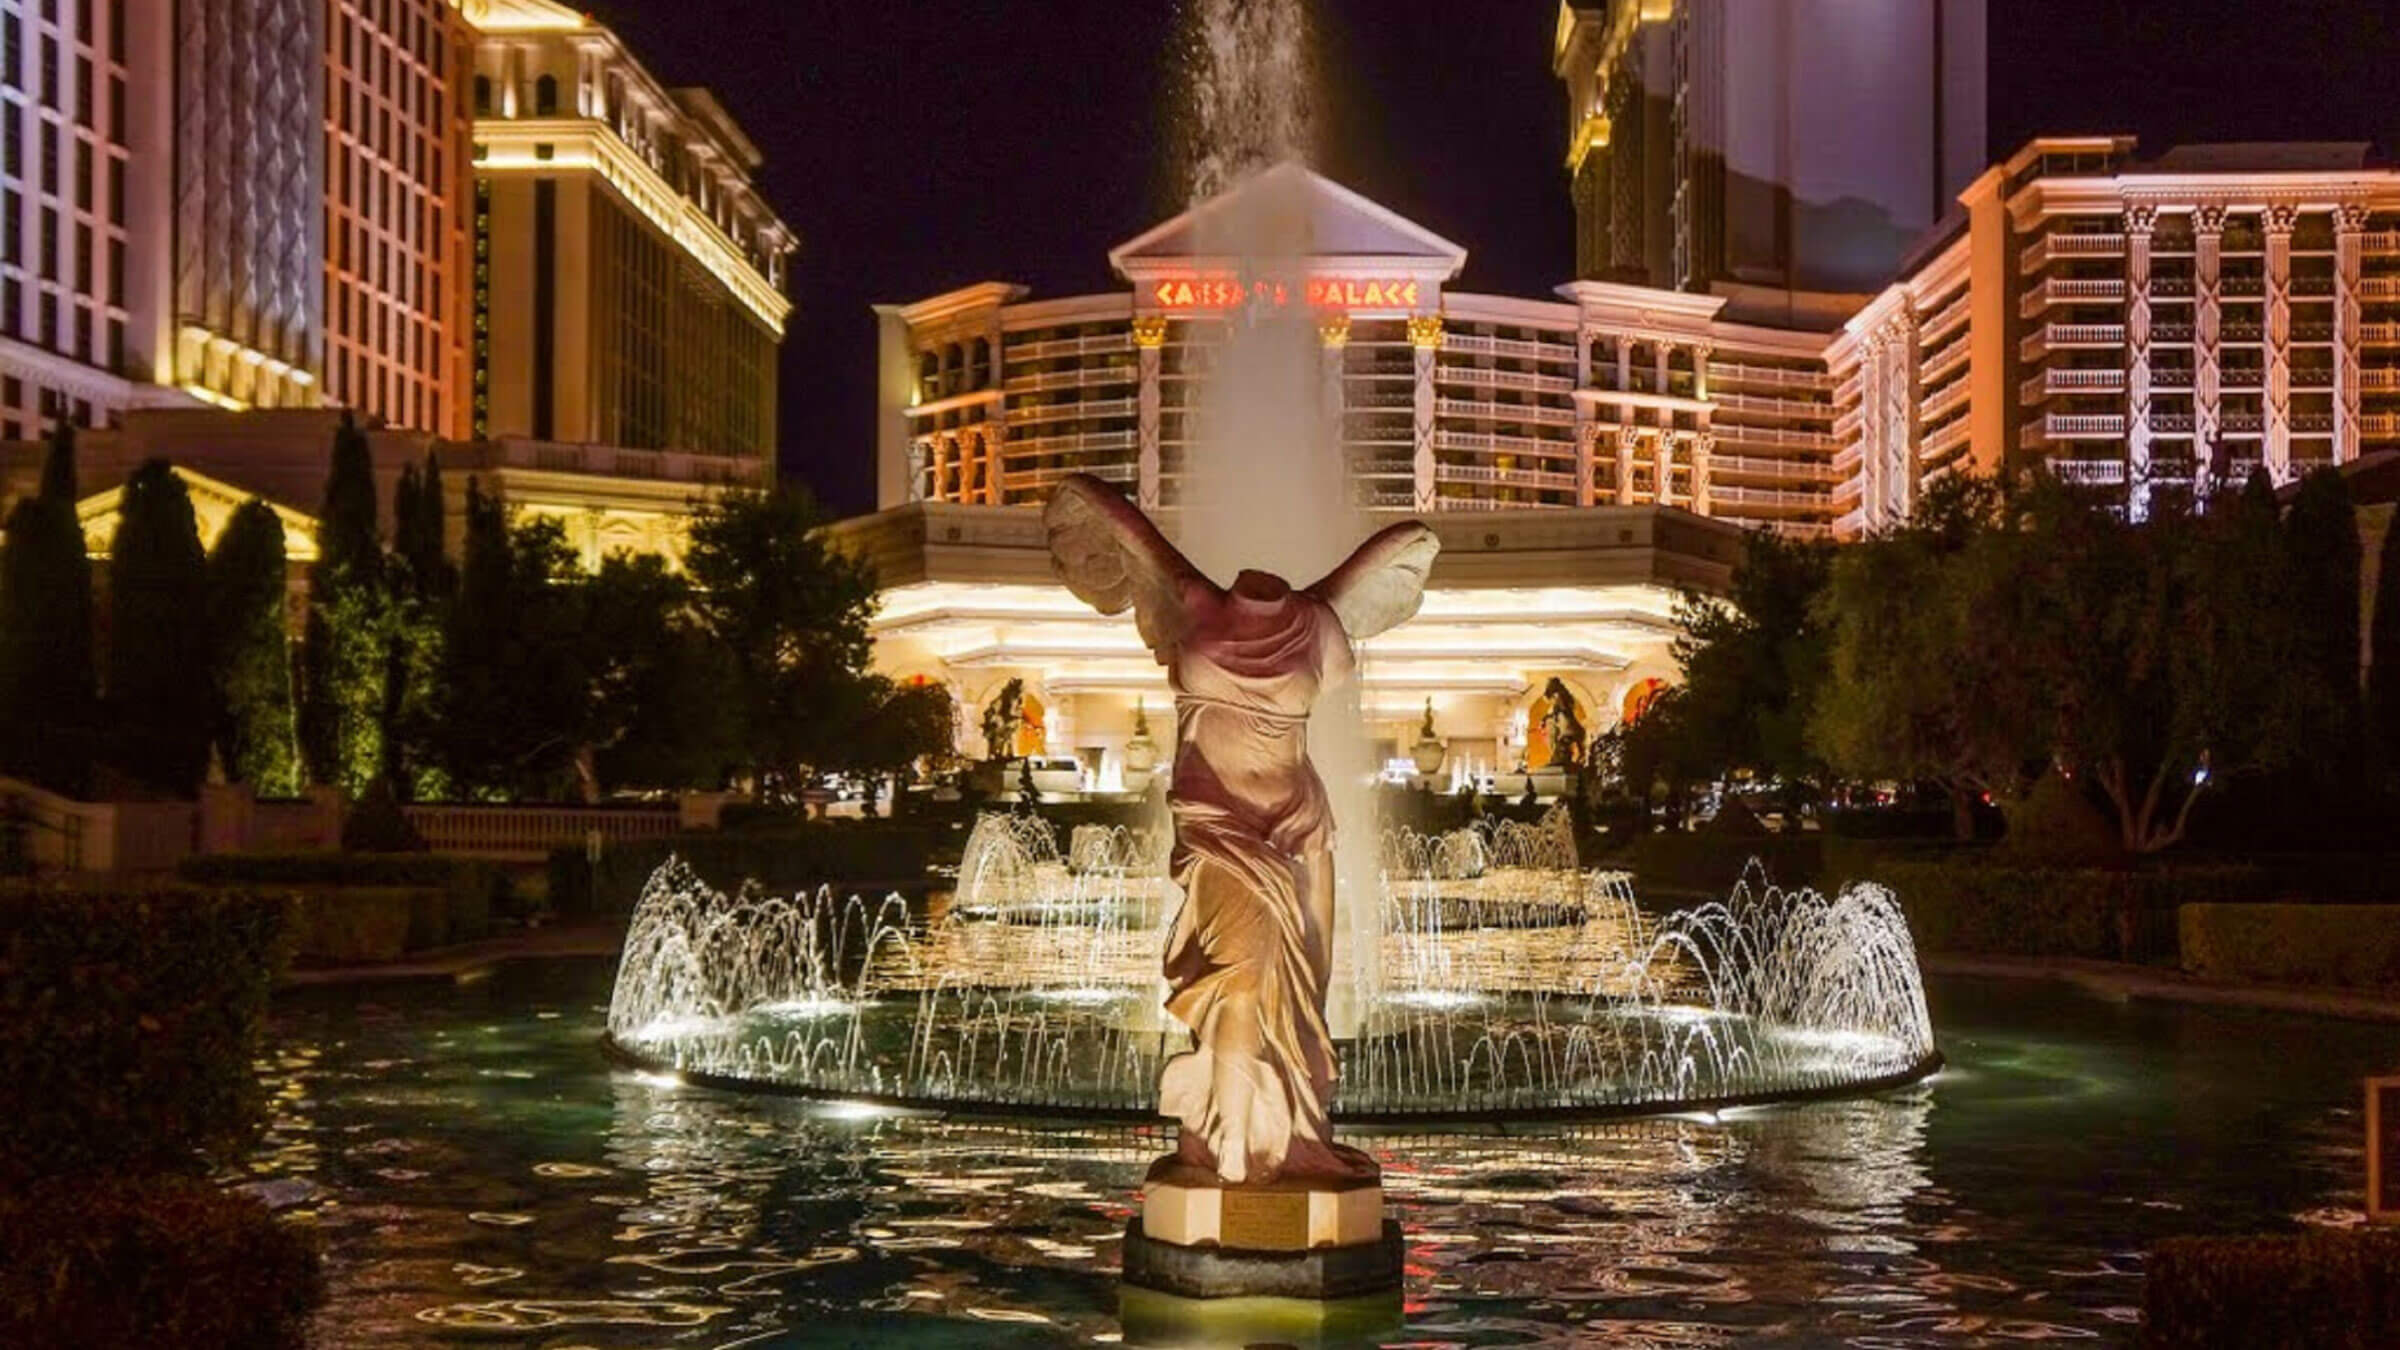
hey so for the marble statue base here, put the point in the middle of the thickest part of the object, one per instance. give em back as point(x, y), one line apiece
point(1199, 1238)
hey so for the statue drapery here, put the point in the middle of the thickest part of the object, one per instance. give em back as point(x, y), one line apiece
point(1250, 957)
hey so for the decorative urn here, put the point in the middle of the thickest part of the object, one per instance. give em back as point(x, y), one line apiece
point(1429, 752)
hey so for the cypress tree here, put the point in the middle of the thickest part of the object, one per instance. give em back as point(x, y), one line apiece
point(161, 706)
point(248, 578)
point(345, 662)
point(47, 701)
point(2321, 559)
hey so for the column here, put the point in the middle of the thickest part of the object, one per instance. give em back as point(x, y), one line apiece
point(1626, 436)
point(1333, 335)
point(2279, 221)
point(2139, 222)
point(1700, 355)
point(1425, 337)
point(1663, 466)
point(1873, 465)
point(1901, 401)
point(2208, 317)
point(1704, 446)
point(1665, 352)
point(994, 438)
point(938, 452)
point(1149, 340)
point(2349, 246)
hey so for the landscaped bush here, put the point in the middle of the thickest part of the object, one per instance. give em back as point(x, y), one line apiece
point(128, 1023)
point(466, 893)
point(1712, 864)
point(2318, 1291)
point(845, 855)
point(2306, 944)
point(156, 1261)
point(1983, 907)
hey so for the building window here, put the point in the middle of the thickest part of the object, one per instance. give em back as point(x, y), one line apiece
point(545, 96)
point(483, 96)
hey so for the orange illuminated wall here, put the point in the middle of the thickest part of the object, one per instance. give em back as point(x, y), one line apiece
point(397, 129)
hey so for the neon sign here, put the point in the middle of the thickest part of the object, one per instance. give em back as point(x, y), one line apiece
point(1224, 293)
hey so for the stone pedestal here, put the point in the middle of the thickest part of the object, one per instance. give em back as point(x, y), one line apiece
point(1199, 1238)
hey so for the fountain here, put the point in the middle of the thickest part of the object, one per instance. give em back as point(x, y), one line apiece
point(1513, 983)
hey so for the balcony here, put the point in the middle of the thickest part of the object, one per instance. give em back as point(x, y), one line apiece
point(2313, 423)
point(1504, 379)
point(2242, 423)
point(1773, 407)
point(1072, 379)
point(1522, 478)
point(1951, 356)
point(2055, 246)
point(1505, 412)
point(2242, 332)
point(2383, 241)
point(1473, 344)
point(2059, 336)
point(2171, 423)
point(2170, 288)
point(1788, 470)
point(1943, 439)
point(2244, 287)
point(2070, 290)
point(2088, 472)
point(2379, 288)
point(2069, 381)
point(2380, 378)
point(1014, 352)
point(1947, 317)
point(1750, 435)
point(609, 461)
point(1749, 496)
point(2083, 426)
point(2242, 377)
point(1950, 396)
point(2314, 287)
point(1026, 447)
point(2170, 335)
point(1735, 372)
point(2171, 377)
point(2379, 334)
point(2379, 424)
point(1491, 441)
point(1060, 412)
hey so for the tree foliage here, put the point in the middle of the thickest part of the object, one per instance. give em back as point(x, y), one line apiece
point(513, 694)
point(791, 614)
point(662, 708)
point(346, 645)
point(48, 697)
point(162, 706)
point(1751, 663)
point(248, 579)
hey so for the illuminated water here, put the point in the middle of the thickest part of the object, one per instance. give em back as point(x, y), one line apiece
point(1505, 980)
point(484, 1179)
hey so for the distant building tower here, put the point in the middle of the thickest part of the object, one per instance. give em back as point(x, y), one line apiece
point(1767, 151)
point(629, 278)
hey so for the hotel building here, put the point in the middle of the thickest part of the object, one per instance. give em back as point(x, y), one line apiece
point(629, 281)
point(2132, 324)
point(480, 225)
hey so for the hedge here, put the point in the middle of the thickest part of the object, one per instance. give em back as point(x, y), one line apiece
point(840, 854)
point(1967, 905)
point(2306, 944)
point(465, 893)
point(128, 1025)
point(158, 1261)
point(2316, 1291)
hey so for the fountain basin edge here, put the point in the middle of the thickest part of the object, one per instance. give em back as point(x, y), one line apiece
point(625, 1057)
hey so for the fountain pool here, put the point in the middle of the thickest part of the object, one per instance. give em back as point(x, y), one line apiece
point(479, 1177)
point(1509, 983)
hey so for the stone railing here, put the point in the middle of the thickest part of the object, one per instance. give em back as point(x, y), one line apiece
point(529, 833)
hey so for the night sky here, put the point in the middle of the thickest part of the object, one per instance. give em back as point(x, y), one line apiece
point(919, 145)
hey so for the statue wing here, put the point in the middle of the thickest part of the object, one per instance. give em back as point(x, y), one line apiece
point(1382, 584)
point(1113, 559)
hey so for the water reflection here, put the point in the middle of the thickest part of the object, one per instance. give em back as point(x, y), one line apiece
point(479, 1177)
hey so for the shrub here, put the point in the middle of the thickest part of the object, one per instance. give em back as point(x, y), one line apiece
point(2306, 944)
point(128, 1024)
point(839, 854)
point(469, 892)
point(378, 824)
point(1974, 905)
point(159, 1261)
point(2316, 1291)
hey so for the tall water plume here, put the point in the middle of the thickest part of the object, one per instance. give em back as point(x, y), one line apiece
point(1264, 485)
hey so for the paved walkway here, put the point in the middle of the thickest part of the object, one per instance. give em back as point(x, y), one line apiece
point(475, 959)
point(2109, 980)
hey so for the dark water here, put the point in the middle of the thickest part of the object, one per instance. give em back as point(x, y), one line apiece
point(483, 1179)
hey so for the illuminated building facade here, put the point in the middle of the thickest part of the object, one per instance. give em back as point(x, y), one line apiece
point(629, 280)
point(396, 212)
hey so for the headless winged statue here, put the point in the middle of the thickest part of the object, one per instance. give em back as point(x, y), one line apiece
point(1251, 955)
